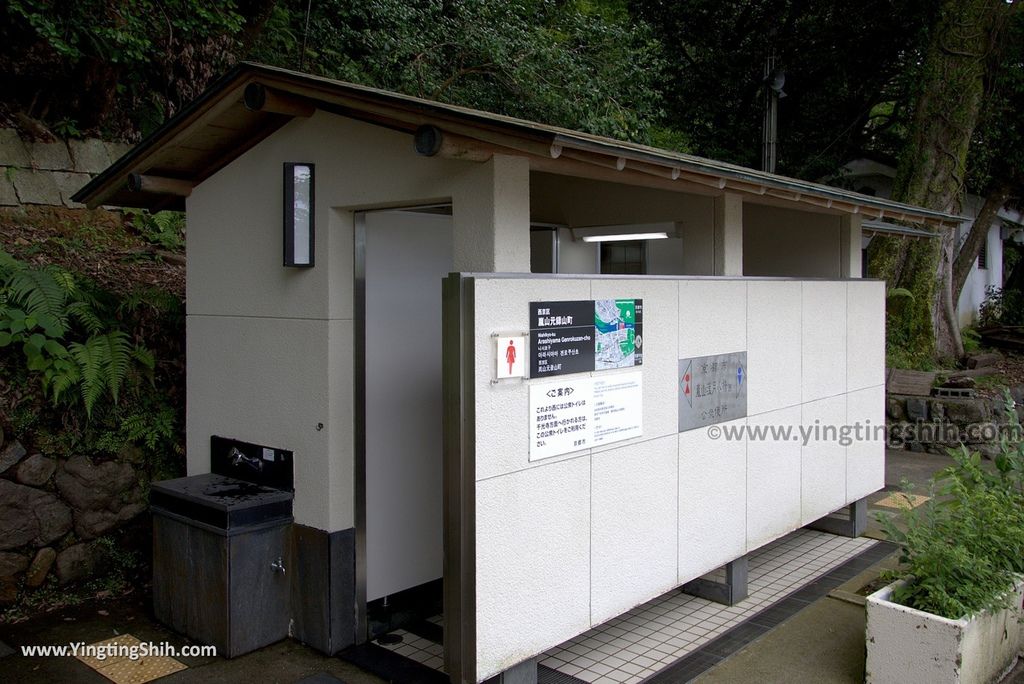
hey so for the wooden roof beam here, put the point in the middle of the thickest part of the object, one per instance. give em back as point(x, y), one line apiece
point(259, 98)
point(158, 185)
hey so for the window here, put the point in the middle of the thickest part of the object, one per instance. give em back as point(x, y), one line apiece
point(623, 257)
point(983, 255)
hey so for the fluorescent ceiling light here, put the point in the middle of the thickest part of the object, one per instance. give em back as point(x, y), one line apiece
point(626, 231)
point(625, 236)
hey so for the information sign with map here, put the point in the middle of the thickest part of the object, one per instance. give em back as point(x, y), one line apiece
point(582, 336)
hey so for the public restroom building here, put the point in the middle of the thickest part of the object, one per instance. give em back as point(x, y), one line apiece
point(484, 354)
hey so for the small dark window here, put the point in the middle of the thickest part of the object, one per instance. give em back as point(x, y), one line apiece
point(983, 256)
point(625, 257)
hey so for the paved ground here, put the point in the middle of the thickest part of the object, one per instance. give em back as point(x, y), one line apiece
point(822, 644)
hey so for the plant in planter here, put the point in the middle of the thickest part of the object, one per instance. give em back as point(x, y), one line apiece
point(954, 615)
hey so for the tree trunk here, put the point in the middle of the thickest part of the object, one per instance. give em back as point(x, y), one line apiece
point(971, 246)
point(931, 174)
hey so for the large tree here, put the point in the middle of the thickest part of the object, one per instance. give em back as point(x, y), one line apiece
point(841, 61)
point(996, 161)
point(932, 173)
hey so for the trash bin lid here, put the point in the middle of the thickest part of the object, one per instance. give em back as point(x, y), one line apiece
point(223, 502)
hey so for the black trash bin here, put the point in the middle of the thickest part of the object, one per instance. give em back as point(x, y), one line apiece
point(220, 546)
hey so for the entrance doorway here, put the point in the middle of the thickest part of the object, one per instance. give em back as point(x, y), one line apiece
point(402, 256)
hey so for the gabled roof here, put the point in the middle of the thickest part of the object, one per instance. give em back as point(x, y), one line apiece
point(219, 126)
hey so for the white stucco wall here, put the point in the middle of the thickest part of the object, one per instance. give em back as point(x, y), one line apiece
point(565, 543)
point(270, 348)
point(980, 279)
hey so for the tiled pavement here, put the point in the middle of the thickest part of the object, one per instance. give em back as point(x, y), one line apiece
point(676, 636)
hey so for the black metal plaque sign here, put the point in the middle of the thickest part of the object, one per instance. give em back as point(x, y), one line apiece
point(582, 336)
point(561, 338)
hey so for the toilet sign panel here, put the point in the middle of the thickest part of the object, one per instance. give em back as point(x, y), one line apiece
point(509, 356)
point(712, 389)
point(561, 417)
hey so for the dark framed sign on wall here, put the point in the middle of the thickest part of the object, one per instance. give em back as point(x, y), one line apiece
point(299, 211)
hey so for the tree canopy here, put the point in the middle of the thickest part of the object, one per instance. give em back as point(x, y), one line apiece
point(933, 85)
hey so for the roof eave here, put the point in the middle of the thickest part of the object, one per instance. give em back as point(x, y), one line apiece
point(545, 144)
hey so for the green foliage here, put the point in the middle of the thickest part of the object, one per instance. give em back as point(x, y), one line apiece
point(964, 548)
point(80, 62)
point(1002, 307)
point(580, 64)
point(165, 229)
point(840, 96)
point(971, 338)
point(67, 336)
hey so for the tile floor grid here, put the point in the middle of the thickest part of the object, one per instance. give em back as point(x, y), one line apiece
point(417, 648)
point(639, 643)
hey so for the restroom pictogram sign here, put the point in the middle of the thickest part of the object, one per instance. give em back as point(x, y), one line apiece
point(509, 356)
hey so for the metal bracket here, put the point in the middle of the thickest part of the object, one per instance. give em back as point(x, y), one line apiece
point(853, 525)
point(728, 593)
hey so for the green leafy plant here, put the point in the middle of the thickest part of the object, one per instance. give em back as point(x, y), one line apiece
point(65, 334)
point(165, 229)
point(67, 128)
point(971, 338)
point(1002, 307)
point(962, 550)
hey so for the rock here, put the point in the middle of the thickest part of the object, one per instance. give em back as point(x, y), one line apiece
point(76, 562)
point(966, 411)
point(13, 151)
point(36, 187)
point(52, 156)
point(1017, 393)
point(91, 524)
point(895, 409)
point(960, 382)
point(8, 195)
point(69, 183)
point(11, 455)
point(102, 496)
point(986, 449)
point(89, 156)
point(8, 592)
point(35, 470)
point(984, 359)
point(30, 516)
point(12, 563)
point(117, 150)
point(917, 409)
point(40, 567)
point(131, 453)
point(88, 486)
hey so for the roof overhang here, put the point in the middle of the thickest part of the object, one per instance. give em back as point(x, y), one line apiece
point(252, 101)
point(886, 228)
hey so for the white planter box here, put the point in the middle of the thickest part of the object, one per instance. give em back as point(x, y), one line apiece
point(907, 646)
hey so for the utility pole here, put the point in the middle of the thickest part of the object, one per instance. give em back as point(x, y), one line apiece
point(773, 81)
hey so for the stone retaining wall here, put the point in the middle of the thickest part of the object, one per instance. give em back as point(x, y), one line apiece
point(49, 173)
point(931, 416)
point(52, 510)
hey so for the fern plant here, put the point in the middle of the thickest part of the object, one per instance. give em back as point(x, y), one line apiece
point(64, 334)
